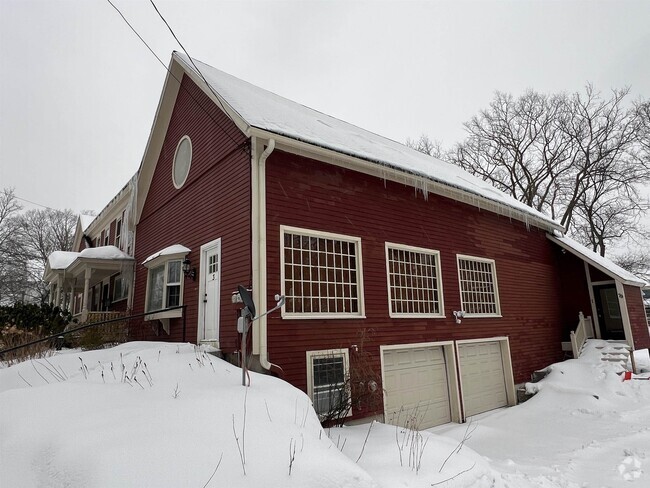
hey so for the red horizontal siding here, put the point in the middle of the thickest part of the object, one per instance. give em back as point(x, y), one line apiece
point(636, 312)
point(305, 193)
point(213, 203)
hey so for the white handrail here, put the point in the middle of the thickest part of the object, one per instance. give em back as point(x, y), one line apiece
point(584, 331)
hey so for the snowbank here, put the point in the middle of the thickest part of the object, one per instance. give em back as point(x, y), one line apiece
point(181, 415)
point(169, 415)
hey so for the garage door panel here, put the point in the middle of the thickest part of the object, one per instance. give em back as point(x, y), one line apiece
point(416, 385)
point(482, 377)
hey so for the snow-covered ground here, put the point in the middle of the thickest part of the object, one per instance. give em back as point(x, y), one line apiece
point(182, 418)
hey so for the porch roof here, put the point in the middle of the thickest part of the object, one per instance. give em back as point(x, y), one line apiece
point(597, 261)
point(103, 261)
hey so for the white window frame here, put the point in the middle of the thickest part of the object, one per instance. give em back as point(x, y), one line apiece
point(497, 303)
point(164, 260)
point(124, 288)
point(419, 250)
point(311, 355)
point(179, 184)
point(117, 239)
point(107, 235)
point(356, 241)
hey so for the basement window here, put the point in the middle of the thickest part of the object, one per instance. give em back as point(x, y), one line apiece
point(327, 378)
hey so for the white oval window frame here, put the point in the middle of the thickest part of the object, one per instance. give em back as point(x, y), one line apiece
point(179, 184)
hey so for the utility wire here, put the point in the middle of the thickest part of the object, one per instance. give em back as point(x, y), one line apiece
point(189, 57)
point(174, 76)
point(34, 203)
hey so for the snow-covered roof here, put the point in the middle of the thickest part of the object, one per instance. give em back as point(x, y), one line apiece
point(61, 259)
point(602, 263)
point(104, 252)
point(86, 220)
point(265, 110)
point(168, 251)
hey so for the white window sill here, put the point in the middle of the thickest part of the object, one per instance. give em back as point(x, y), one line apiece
point(321, 316)
point(482, 316)
point(415, 316)
point(168, 314)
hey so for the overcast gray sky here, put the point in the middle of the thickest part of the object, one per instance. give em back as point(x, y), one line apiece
point(78, 90)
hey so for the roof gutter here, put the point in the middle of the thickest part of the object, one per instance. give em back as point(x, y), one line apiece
point(386, 171)
point(260, 291)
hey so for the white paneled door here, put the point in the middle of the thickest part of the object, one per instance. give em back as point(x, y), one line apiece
point(210, 292)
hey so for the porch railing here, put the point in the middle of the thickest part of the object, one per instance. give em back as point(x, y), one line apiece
point(584, 331)
point(86, 325)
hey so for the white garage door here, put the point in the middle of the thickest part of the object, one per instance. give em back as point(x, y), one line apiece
point(482, 377)
point(416, 386)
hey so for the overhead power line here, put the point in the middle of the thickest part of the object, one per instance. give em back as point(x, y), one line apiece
point(174, 76)
point(189, 57)
point(34, 203)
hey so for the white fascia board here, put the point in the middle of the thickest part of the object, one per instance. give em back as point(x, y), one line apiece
point(329, 156)
point(157, 134)
point(111, 212)
point(212, 94)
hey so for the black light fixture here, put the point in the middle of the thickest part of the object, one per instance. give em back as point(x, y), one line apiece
point(188, 270)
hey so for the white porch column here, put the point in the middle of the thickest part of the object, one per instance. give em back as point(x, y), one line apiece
point(59, 285)
point(70, 299)
point(51, 288)
point(86, 298)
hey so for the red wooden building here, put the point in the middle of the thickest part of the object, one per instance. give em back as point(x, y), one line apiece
point(443, 290)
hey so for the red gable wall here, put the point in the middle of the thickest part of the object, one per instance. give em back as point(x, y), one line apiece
point(304, 193)
point(213, 203)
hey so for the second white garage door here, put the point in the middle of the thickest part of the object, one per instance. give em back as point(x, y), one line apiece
point(416, 386)
point(482, 377)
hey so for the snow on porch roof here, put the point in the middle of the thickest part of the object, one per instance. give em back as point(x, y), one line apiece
point(265, 110)
point(168, 251)
point(105, 252)
point(597, 261)
point(61, 259)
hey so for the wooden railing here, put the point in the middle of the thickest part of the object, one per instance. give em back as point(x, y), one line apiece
point(103, 316)
point(584, 331)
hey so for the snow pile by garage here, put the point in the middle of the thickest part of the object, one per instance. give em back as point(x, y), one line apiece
point(584, 428)
point(182, 418)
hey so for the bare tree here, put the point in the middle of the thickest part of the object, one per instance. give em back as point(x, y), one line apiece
point(44, 231)
point(516, 145)
point(26, 240)
point(9, 251)
point(580, 158)
point(41, 232)
point(636, 262)
point(427, 146)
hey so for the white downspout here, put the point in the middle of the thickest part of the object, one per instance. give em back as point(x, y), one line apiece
point(261, 254)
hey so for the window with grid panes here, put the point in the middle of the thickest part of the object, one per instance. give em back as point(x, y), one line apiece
point(118, 233)
point(479, 293)
point(164, 286)
point(414, 283)
point(327, 372)
point(321, 274)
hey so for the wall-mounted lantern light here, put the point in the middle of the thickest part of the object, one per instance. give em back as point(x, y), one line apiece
point(188, 270)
